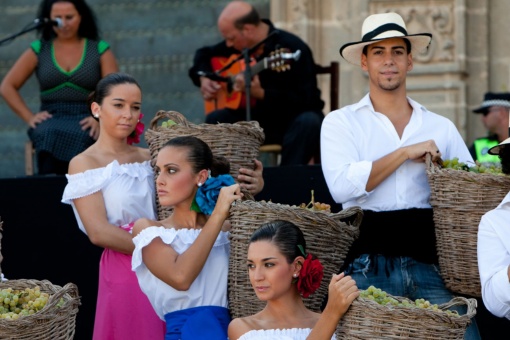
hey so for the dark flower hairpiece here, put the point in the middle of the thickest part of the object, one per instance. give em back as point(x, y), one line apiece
point(207, 194)
point(310, 276)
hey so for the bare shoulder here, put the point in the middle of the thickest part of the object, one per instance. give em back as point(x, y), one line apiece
point(82, 162)
point(145, 153)
point(239, 326)
point(143, 223)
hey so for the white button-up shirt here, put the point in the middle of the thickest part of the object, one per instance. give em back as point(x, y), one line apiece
point(356, 135)
point(494, 258)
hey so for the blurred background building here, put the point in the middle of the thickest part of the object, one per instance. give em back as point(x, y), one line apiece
point(155, 42)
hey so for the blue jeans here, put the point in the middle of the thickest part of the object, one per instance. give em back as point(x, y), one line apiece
point(403, 276)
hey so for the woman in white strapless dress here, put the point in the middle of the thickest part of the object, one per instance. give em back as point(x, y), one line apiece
point(281, 273)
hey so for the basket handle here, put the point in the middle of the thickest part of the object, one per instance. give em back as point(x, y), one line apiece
point(349, 212)
point(430, 165)
point(459, 300)
point(71, 290)
point(173, 115)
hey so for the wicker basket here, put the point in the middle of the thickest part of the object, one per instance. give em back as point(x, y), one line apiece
point(459, 199)
point(238, 142)
point(328, 236)
point(366, 319)
point(51, 322)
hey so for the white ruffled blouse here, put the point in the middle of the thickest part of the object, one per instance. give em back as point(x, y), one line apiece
point(128, 191)
point(208, 289)
point(278, 334)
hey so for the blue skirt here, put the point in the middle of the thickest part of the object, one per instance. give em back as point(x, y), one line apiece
point(206, 322)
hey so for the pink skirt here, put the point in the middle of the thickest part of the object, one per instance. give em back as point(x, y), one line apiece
point(123, 311)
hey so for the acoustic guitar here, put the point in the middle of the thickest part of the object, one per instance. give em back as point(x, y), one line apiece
point(227, 97)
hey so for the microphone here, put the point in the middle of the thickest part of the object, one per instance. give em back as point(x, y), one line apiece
point(47, 21)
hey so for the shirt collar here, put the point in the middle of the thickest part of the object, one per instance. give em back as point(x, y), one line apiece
point(366, 102)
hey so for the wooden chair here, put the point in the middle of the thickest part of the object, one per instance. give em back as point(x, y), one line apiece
point(273, 151)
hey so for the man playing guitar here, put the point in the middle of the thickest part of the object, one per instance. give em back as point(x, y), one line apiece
point(285, 101)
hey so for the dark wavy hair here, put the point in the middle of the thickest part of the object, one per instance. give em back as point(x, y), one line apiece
point(283, 234)
point(88, 25)
point(200, 155)
point(105, 85)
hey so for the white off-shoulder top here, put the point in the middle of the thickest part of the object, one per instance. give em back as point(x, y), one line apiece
point(128, 191)
point(278, 334)
point(208, 289)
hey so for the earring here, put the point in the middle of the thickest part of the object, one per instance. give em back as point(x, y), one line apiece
point(138, 121)
point(199, 184)
point(96, 115)
point(295, 275)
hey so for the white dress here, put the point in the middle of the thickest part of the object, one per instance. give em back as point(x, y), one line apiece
point(128, 191)
point(208, 289)
point(278, 334)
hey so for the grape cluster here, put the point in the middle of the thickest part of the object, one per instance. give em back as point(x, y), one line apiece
point(315, 206)
point(168, 124)
point(16, 303)
point(478, 167)
point(382, 298)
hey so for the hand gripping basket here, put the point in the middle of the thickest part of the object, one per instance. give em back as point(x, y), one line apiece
point(366, 319)
point(328, 236)
point(238, 142)
point(459, 199)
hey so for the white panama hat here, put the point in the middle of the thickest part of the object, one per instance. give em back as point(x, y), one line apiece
point(382, 26)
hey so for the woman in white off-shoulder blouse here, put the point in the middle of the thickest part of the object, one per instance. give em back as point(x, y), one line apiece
point(182, 261)
point(281, 273)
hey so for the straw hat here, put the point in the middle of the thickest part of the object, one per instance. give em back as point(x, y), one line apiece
point(379, 27)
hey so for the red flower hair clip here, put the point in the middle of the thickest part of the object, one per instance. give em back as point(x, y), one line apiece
point(310, 276)
point(134, 137)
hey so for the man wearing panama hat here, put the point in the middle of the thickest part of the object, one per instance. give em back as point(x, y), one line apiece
point(373, 156)
point(494, 112)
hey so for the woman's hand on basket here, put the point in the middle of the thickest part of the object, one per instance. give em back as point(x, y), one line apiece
point(342, 292)
point(251, 179)
point(418, 151)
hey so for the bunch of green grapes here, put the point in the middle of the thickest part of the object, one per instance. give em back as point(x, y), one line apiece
point(16, 303)
point(382, 298)
point(454, 164)
point(168, 124)
point(487, 168)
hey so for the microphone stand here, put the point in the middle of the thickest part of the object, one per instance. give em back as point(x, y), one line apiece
point(35, 25)
point(247, 82)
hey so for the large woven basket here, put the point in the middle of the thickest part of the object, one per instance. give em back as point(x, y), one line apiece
point(238, 142)
point(50, 323)
point(366, 319)
point(459, 199)
point(328, 236)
